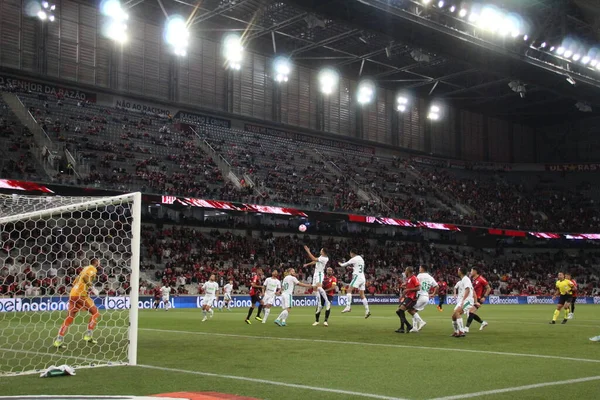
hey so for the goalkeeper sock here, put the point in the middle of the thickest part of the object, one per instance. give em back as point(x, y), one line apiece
point(555, 316)
point(93, 320)
point(65, 326)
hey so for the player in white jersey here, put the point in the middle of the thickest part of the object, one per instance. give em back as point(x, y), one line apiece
point(272, 287)
point(320, 263)
point(211, 293)
point(358, 282)
point(165, 291)
point(287, 295)
point(427, 282)
point(227, 290)
point(464, 302)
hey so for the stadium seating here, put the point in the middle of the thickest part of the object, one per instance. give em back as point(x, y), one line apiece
point(15, 141)
point(142, 151)
point(174, 252)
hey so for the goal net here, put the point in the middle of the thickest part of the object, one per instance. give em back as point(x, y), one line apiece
point(69, 277)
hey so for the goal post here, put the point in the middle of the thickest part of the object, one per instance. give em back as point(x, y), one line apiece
point(45, 243)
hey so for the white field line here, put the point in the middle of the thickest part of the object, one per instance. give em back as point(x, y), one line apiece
point(367, 344)
point(518, 388)
point(274, 383)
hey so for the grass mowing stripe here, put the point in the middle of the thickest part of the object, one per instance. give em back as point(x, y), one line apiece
point(290, 385)
point(398, 346)
point(517, 388)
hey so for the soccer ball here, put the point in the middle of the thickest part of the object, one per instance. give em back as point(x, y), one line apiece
point(302, 228)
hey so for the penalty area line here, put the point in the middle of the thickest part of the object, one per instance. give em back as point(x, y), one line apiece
point(517, 388)
point(274, 383)
point(390, 345)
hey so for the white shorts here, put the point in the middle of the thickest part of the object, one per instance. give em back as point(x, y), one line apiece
point(207, 301)
point(286, 301)
point(268, 299)
point(466, 306)
point(227, 296)
point(358, 282)
point(421, 303)
point(165, 298)
point(318, 278)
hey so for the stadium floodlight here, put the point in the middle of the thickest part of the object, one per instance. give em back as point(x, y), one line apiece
point(233, 51)
point(177, 35)
point(568, 54)
point(560, 51)
point(586, 60)
point(576, 57)
point(328, 80)
point(426, 2)
point(45, 11)
point(525, 38)
point(543, 45)
point(366, 91)
point(441, 3)
point(402, 103)
point(463, 12)
point(593, 63)
point(115, 26)
point(452, 9)
point(552, 48)
point(491, 19)
point(282, 68)
point(434, 112)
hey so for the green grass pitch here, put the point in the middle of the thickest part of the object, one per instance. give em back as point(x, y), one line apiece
point(352, 358)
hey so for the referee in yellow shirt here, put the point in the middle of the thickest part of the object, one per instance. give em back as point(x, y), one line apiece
point(564, 289)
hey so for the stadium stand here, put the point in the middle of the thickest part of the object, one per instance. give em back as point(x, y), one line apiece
point(143, 151)
point(174, 252)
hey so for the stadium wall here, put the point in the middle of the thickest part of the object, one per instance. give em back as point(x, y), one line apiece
point(57, 303)
point(75, 51)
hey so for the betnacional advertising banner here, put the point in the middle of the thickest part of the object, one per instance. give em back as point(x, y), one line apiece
point(58, 303)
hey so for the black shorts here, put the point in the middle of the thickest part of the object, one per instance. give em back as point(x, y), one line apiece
point(407, 302)
point(565, 298)
point(255, 298)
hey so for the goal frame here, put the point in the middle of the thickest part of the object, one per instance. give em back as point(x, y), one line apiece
point(136, 223)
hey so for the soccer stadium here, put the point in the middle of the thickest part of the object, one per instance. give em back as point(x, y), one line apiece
point(300, 199)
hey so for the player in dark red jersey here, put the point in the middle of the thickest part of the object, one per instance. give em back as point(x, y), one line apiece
point(329, 284)
point(572, 310)
point(482, 289)
point(157, 296)
point(408, 299)
point(255, 295)
point(442, 292)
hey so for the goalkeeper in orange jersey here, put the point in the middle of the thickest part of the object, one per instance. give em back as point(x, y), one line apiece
point(80, 300)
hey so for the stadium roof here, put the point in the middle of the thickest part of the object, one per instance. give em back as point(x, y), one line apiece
point(406, 46)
